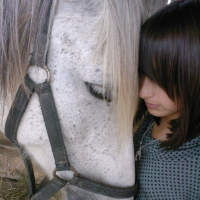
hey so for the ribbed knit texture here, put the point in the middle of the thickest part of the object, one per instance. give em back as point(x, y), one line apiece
point(167, 175)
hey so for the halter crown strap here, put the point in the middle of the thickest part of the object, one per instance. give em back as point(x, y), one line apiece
point(40, 44)
point(51, 120)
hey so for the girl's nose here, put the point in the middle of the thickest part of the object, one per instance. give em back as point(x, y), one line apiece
point(147, 89)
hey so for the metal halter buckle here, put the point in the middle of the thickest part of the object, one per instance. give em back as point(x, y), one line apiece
point(71, 169)
point(48, 73)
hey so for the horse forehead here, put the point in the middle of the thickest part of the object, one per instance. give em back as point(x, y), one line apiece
point(83, 8)
point(74, 39)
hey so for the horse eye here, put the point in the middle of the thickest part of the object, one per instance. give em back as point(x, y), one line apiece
point(99, 92)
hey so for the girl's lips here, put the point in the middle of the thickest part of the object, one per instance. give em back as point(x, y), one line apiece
point(152, 106)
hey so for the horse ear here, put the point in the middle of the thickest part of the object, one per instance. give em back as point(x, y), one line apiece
point(151, 6)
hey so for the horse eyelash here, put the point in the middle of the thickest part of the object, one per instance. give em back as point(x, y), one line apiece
point(97, 91)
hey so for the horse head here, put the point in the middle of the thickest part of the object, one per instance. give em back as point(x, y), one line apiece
point(92, 61)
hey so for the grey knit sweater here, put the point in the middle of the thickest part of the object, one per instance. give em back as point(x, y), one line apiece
point(167, 175)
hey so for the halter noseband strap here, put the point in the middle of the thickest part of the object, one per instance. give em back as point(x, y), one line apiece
point(50, 116)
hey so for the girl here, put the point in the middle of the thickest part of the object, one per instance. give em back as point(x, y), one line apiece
point(167, 142)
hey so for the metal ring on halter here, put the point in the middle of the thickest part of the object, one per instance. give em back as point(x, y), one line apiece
point(48, 73)
point(71, 168)
point(74, 170)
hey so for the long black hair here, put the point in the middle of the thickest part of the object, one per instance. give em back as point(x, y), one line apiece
point(170, 56)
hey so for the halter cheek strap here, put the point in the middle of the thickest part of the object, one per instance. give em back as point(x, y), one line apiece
point(51, 120)
point(14, 117)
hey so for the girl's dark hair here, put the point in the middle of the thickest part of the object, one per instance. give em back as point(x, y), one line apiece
point(170, 57)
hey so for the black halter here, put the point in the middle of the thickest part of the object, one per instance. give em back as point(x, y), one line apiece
point(50, 116)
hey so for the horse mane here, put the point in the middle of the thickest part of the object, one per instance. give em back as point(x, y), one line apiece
point(17, 29)
point(118, 37)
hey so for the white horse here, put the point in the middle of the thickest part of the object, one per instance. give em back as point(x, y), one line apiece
point(93, 50)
